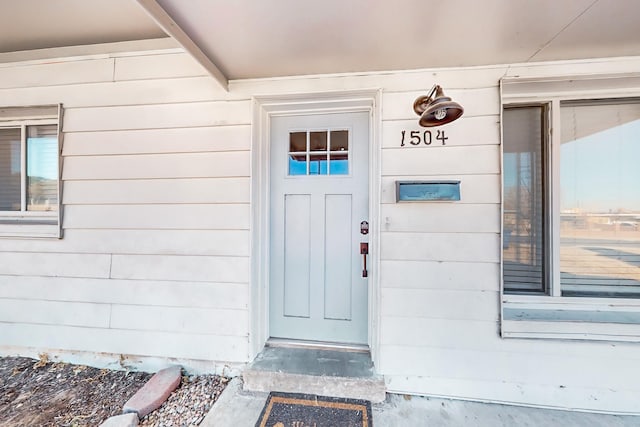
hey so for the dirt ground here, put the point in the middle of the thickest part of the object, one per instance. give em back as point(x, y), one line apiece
point(39, 393)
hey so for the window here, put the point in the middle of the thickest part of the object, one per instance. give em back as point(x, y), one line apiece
point(319, 153)
point(571, 215)
point(29, 172)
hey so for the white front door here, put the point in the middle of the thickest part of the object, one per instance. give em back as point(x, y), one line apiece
point(319, 198)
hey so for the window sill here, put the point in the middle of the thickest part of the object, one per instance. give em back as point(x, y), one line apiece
point(571, 318)
point(40, 225)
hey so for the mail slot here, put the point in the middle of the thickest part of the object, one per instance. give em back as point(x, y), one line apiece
point(426, 191)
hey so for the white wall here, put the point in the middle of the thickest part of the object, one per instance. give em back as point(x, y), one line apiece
point(154, 261)
point(155, 255)
point(439, 268)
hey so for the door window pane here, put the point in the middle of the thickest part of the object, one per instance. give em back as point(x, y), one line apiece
point(339, 164)
point(318, 164)
point(10, 158)
point(600, 199)
point(42, 168)
point(318, 141)
point(327, 153)
point(340, 140)
point(524, 233)
point(297, 164)
point(298, 142)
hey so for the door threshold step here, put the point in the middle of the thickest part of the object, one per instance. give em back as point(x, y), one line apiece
point(315, 371)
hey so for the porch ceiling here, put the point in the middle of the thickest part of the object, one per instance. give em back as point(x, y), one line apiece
point(248, 38)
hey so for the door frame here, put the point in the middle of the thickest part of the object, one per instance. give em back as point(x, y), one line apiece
point(264, 109)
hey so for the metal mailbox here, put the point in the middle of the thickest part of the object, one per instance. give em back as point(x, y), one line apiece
point(427, 191)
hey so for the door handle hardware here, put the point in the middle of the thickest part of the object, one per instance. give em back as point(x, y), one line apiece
point(364, 251)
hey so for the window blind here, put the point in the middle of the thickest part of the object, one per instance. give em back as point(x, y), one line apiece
point(523, 220)
point(10, 158)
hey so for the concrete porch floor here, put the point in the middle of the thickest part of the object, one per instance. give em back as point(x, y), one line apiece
point(236, 408)
point(352, 374)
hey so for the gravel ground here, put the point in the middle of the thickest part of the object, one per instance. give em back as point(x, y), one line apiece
point(189, 403)
point(40, 393)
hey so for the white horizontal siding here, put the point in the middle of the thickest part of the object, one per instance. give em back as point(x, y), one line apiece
point(56, 73)
point(182, 320)
point(154, 255)
point(562, 396)
point(469, 247)
point(157, 66)
point(145, 166)
point(154, 141)
point(439, 270)
point(442, 217)
point(161, 293)
point(53, 264)
point(549, 370)
point(54, 313)
point(114, 93)
point(439, 304)
point(431, 334)
point(143, 242)
point(187, 268)
point(121, 341)
point(483, 159)
point(158, 116)
point(157, 191)
point(472, 276)
point(390, 81)
point(158, 217)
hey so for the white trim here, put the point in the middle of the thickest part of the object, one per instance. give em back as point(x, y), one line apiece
point(264, 108)
point(554, 211)
point(88, 52)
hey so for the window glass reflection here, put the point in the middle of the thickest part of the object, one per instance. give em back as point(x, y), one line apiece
point(318, 164)
point(600, 200)
point(339, 140)
point(42, 168)
point(318, 141)
point(523, 217)
point(297, 142)
point(339, 167)
point(298, 165)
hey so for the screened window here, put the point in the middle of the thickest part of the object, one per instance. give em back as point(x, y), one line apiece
point(594, 228)
point(29, 168)
point(29, 171)
point(600, 199)
point(524, 167)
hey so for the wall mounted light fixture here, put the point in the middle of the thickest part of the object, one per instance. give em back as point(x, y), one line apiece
point(436, 111)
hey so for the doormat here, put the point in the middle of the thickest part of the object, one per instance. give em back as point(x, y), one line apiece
point(308, 410)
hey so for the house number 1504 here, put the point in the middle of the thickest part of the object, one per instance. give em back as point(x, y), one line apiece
point(416, 137)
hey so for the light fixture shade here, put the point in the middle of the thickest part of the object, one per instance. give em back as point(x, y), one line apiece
point(438, 111)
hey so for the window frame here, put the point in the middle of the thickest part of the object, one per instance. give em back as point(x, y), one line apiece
point(24, 223)
point(592, 318)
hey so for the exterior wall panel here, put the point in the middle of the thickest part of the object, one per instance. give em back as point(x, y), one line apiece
point(168, 146)
point(154, 257)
